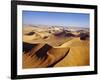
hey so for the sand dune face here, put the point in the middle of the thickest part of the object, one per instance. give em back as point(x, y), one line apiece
point(78, 54)
point(46, 48)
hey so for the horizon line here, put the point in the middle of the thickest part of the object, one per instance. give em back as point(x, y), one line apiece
point(55, 25)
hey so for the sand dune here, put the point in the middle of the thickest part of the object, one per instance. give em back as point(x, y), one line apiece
point(42, 48)
point(78, 54)
point(68, 54)
point(43, 56)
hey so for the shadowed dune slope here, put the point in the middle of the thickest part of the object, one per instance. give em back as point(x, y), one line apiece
point(27, 47)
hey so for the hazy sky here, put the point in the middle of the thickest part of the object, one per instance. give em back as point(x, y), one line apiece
point(56, 18)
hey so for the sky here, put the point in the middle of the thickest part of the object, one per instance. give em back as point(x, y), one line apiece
point(55, 18)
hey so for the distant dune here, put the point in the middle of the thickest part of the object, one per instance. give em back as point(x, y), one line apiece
point(64, 34)
point(55, 47)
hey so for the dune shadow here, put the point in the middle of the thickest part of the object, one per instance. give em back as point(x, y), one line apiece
point(42, 52)
point(30, 33)
point(27, 47)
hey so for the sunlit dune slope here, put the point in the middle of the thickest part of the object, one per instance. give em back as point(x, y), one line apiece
point(78, 54)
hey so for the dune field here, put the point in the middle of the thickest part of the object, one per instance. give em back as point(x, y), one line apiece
point(55, 47)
